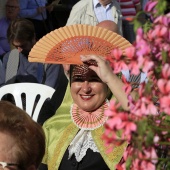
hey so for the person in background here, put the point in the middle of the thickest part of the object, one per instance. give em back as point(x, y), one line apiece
point(35, 11)
point(12, 11)
point(21, 35)
point(59, 8)
point(92, 12)
point(129, 9)
point(38, 12)
point(22, 141)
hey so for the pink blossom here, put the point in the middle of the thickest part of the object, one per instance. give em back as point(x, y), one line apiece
point(150, 5)
point(113, 106)
point(121, 167)
point(127, 88)
point(151, 154)
point(156, 139)
point(145, 165)
point(128, 127)
point(116, 53)
point(150, 53)
point(165, 104)
point(166, 71)
point(130, 52)
point(119, 66)
point(134, 67)
point(164, 86)
point(144, 106)
point(143, 48)
point(162, 19)
point(148, 65)
point(139, 34)
point(114, 122)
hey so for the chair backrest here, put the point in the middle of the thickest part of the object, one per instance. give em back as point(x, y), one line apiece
point(31, 91)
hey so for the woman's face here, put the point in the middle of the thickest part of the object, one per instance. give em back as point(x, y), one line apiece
point(87, 90)
point(8, 149)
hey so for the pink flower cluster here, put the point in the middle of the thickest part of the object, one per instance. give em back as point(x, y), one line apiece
point(146, 125)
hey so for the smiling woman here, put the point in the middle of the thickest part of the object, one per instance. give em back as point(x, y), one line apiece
point(74, 133)
point(75, 138)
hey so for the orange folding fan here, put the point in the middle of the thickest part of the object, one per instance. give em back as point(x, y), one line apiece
point(66, 44)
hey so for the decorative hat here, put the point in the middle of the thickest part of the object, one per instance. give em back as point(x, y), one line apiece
point(66, 44)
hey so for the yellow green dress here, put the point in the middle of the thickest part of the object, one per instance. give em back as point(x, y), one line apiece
point(60, 131)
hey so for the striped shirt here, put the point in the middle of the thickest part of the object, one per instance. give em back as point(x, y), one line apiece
point(128, 8)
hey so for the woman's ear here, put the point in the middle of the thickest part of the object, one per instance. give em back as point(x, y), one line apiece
point(31, 167)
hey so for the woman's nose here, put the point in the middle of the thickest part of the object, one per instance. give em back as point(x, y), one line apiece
point(86, 87)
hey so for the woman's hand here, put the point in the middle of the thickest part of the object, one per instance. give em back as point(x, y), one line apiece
point(103, 69)
point(105, 73)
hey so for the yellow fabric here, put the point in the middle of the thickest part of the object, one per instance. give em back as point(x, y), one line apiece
point(60, 131)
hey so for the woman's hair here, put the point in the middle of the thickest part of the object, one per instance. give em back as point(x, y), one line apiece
point(21, 30)
point(28, 134)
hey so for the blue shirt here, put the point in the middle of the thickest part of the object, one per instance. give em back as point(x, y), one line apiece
point(28, 72)
point(4, 45)
point(103, 13)
point(28, 9)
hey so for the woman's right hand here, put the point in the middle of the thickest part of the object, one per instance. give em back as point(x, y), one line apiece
point(105, 73)
point(103, 69)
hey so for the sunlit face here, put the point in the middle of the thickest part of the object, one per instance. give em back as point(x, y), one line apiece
point(87, 89)
point(8, 148)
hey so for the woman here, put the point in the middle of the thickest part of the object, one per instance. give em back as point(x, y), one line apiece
point(22, 141)
point(73, 135)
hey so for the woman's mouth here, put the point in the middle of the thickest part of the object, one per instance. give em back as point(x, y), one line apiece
point(86, 97)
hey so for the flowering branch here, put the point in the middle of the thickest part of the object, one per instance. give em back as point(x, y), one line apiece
point(146, 126)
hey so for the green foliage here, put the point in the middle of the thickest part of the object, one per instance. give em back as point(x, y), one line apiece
point(164, 56)
point(128, 163)
point(161, 7)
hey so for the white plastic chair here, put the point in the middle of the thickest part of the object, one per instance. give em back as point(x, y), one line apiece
point(31, 91)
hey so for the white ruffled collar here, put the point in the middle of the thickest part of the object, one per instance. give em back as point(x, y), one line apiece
point(80, 144)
